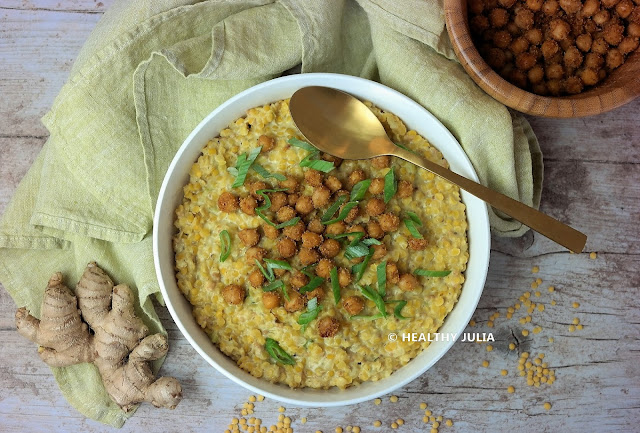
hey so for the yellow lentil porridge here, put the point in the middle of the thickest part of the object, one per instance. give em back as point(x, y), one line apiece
point(299, 265)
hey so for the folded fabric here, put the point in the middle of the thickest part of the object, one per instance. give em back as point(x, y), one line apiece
point(152, 70)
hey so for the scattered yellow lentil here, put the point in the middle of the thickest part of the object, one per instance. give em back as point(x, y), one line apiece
point(576, 321)
point(377, 423)
point(436, 424)
point(356, 429)
point(593, 255)
point(551, 289)
point(425, 419)
point(535, 269)
point(338, 429)
point(572, 328)
point(472, 323)
point(512, 346)
point(400, 421)
point(485, 363)
point(534, 285)
point(449, 423)
point(281, 409)
point(579, 327)
point(490, 324)
point(252, 398)
point(427, 412)
point(539, 281)
point(525, 332)
point(538, 294)
point(393, 398)
point(547, 406)
point(553, 302)
point(489, 348)
point(433, 430)
point(511, 390)
point(575, 305)
point(503, 372)
point(394, 425)
point(377, 401)
point(541, 307)
point(303, 420)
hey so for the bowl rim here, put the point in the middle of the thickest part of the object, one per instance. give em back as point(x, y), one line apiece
point(591, 102)
point(304, 396)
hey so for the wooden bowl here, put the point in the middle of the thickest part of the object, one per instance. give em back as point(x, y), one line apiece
point(620, 87)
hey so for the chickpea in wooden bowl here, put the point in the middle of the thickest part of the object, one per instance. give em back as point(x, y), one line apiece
point(553, 58)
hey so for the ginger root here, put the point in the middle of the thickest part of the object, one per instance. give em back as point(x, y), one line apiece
point(120, 346)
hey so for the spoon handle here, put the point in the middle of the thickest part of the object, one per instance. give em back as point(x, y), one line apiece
point(538, 221)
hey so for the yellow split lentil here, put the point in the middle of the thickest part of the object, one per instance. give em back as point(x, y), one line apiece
point(240, 330)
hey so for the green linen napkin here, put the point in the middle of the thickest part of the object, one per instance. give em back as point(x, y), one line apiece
point(152, 70)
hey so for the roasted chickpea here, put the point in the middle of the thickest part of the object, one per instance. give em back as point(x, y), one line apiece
point(381, 161)
point(405, 189)
point(554, 87)
point(295, 302)
point(583, 42)
point(318, 292)
point(374, 230)
point(570, 6)
point(588, 76)
point(313, 177)
point(599, 46)
point(256, 278)
point(628, 45)
point(534, 36)
point(316, 226)
point(613, 33)
point(601, 17)
point(417, 244)
point(233, 294)
point(518, 77)
point(336, 161)
point(328, 327)
point(255, 253)
point(572, 58)
point(323, 269)
point(278, 200)
point(389, 222)
point(573, 85)
point(285, 213)
point(535, 5)
point(353, 304)
point(299, 280)
point(287, 247)
point(498, 17)
point(525, 61)
point(479, 24)
point(502, 39)
point(355, 177)
point(408, 282)
point(336, 228)
point(271, 300)
point(554, 71)
point(519, 45)
point(227, 202)
point(536, 74)
point(377, 186)
point(609, 3)
point(550, 7)
point(593, 61)
point(249, 237)
point(344, 277)
point(614, 58)
point(292, 199)
point(379, 251)
point(496, 58)
point(523, 19)
point(270, 231)
point(549, 48)
point(352, 215)
point(321, 197)
point(333, 183)
point(304, 205)
point(267, 143)
point(559, 29)
point(255, 187)
point(295, 231)
point(506, 3)
point(393, 274)
point(375, 207)
point(476, 6)
point(308, 256)
point(633, 29)
point(624, 8)
point(290, 183)
point(330, 248)
point(311, 239)
point(589, 8)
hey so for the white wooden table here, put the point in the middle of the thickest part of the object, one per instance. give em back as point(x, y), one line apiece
point(592, 181)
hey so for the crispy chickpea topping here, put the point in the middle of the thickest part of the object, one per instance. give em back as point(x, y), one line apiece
point(271, 300)
point(374, 230)
point(320, 197)
point(295, 231)
point(336, 228)
point(417, 244)
point(285, 213)
point(355, 177)
point(304, 205)
point(328, 327)
point(344, 277)
point(379, 251)
point(389, 222)
point(295, 302)
point(290, 183)
point(255, 253)
point(266, 142)
point(256, 278)
point(323, 269)
point(408, 282)
point(318, 292)
point(311, 239)
point(375, 207)
point(287, 247)
point(381, 161)
point(299, 280)
point(249, 237)
point(405, 189)
point(227, 202)
point(233, 294)
point(270, 231)
point(316, 226)
point(377, 186)
point(393, 275)
point(353, 304)
point(330, 248)
point(308, 256)
point(313, 177)
point(333, 183)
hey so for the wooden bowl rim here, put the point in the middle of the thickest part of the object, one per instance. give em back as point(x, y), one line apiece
point(587, 103)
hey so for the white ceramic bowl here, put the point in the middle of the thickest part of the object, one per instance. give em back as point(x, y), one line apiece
point(416, 117)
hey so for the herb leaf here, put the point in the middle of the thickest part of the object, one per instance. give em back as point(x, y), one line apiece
point(343, 213)
point(359, 269)
point(274, 285)
point(414, 217)
point(335, 285)
point(243, 164)
point(381, 271)
point(291, 222)
point(317, 164)
point(359, 189)
point(397, 311)
point(278, 353)
point(358, 248)
point(390, 185)
point(411, 226)
point(265, 173)
point(428, 273)
point(333, 208)
point(225, 245)
point(374, 296)
point(312, 312)
point(268, 274)
point(267, 203)
point(301, 144)
point(313, 284)
point(278, 264)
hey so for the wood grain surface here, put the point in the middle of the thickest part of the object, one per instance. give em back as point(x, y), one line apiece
point(592, 181)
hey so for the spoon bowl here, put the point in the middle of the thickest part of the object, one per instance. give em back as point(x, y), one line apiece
point(341, 125)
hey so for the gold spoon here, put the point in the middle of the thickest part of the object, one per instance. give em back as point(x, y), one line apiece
point(339, 124)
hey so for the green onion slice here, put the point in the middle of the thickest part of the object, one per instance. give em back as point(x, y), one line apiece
point(414, 217)
point(333, 209)
point(374, 296)
point(428, 273)
point(397, 311)
point(268, 274)
point(358, 248)
point(359, 269)
point(405, 148)
point(411, 226)
point(278, 353)
point(390, 186)
point(274, 285)
point(291, 222)
point(317, 164)
point(314, 283)
point(225, 245)
point(265, 173)
point(278, 264)
point(335, 285)
point(381, 271)
point(365, 317)
point(301, 144)
point(267, 203)
point(359, 189)
point(312, 312)
point(343, 213)
point(358, 235)
point(243, 164)
point(306, 270)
